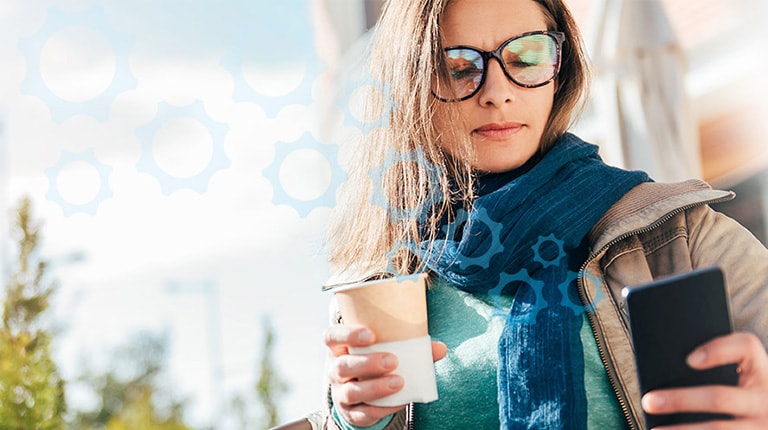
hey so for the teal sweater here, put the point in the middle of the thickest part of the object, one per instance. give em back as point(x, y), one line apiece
point(470, 325)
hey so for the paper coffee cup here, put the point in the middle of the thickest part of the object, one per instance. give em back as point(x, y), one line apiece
point(395, 309)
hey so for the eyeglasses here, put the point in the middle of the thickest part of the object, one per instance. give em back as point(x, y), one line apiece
point(529, 60)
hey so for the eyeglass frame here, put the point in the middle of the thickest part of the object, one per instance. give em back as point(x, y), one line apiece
point(558, 36)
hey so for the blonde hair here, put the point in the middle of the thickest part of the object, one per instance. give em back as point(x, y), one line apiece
point(405, 162)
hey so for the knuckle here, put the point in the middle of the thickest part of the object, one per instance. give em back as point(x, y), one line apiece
point(342, 369)
point(718, 399)
point(341, 396)
point(752, 342)
point(333, 336)
point(361, 416)
point(345, 369)
point(333, 372)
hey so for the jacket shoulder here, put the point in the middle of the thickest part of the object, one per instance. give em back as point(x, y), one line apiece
point(650, 203)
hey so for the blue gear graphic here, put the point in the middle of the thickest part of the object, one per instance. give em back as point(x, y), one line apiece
point(288, 37)
point(54, 195)
point(304, 207)
point(451, 229)
point(97, 107)
point(523, 276)
point(495, 247)
point(350, 119)
point(579, 308)
point(379, 198)
point(390, 255)
point(537, 251)
point(199, 182)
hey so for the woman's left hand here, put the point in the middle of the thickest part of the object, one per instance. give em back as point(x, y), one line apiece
point(747, 402)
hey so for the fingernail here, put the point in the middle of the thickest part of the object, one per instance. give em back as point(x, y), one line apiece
point(395, 382)
point(653, 402)
point(389, 362)
point(365, 336)
point(698, 357)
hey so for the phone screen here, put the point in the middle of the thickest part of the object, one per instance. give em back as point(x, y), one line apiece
point(668, 319)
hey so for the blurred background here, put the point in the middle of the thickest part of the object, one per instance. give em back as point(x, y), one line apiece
point(180, 159)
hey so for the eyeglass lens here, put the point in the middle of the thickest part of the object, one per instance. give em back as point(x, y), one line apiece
point(529, 60)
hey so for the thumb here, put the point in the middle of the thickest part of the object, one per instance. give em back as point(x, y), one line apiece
point(439, 350)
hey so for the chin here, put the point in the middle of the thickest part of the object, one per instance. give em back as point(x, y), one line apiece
point(497, 167)
point(502, 158)
point(499, 164)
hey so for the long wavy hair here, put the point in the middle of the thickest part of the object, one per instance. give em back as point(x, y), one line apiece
point(402, 183)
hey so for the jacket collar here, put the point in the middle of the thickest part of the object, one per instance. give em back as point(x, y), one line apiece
point(650, 203)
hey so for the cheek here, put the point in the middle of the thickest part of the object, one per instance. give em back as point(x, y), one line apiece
point(447, 127)
point(550, 101)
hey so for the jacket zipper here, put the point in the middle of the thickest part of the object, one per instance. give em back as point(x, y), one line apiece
point(631, 421)
point(410, 417)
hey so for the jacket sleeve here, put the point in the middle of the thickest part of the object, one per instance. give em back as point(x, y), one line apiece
point(716, 239)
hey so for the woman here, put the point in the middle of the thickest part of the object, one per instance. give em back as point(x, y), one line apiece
point(528, 236)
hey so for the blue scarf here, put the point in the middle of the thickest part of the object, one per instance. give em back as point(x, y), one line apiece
point(525, 237)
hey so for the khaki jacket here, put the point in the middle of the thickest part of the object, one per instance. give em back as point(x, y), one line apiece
point(657, 230)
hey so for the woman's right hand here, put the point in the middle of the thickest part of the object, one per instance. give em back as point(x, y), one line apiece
point(358, 379)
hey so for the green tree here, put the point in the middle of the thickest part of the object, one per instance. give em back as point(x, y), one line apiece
point(270, 385)
point(129, 393)
point(268, 389)
point(31, 390)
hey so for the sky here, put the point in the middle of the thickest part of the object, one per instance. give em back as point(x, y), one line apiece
point(178, 158)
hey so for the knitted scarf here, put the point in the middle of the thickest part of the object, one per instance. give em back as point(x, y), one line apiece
point(526, 237)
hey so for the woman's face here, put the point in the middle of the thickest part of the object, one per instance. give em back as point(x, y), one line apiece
point(503, 121)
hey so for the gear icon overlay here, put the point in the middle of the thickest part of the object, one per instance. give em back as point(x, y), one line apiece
point(567, 287)
point(541, 244)
point(54, 194)
point(569, 298)
point(351, 119)
point(451, 230)
point(523, 276)
point(283, 35)
point(390, 255)
point(479, 220)
point(168, 183)
point(379, 198)
point(306, 142)
point(34, 84)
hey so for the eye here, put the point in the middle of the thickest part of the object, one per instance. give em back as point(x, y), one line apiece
point(464, 64)
point(520, 64)
point(465, 73)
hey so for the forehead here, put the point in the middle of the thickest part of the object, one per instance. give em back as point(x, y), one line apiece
point(487, 23)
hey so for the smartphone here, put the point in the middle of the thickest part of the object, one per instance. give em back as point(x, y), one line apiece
point(668, 319)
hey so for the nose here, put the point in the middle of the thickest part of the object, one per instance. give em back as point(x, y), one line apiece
point(497, 88)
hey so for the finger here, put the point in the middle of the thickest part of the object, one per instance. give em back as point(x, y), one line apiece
point(339, 338)
point(735, 401)
point(439, 350)
point(365, 366)
point(363, 415)
point(744, 349)
point(716, 425)
point(356, 392)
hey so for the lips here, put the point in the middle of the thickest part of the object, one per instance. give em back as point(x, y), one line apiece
point(498, 131)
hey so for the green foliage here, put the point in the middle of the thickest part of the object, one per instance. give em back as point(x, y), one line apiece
point(269, 386)
point(140, 413)
point(31, 390)
point(130, 391)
